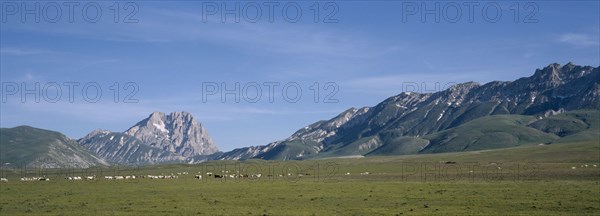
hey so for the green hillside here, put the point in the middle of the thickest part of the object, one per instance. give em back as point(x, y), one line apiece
point(400, 146)
point(22, 144)
point(490, 132)
point(29, 146)
point(574, 126)
point(501, 131)
point(290, 150)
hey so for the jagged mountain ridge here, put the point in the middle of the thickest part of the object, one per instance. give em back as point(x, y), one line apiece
point(160, 138)
point(551, 90)
point(315, 132)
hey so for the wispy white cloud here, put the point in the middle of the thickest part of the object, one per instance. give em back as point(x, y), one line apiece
point(16, 51)
point(169, 26)
point(580, 39)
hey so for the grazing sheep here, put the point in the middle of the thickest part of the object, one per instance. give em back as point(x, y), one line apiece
point(34, 179)
point(573, 168)
point(3, 180)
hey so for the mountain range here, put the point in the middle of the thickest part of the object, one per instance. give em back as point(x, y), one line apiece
point(556, 104)
point(411, 123)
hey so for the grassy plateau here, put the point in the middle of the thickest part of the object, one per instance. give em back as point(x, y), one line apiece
point(525, 180)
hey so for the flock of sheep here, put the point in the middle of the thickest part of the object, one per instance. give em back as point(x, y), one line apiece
point(210, 174)
point(585, 166)
point(225, 174)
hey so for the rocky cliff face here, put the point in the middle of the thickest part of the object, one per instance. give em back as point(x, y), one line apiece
point(120, 148)
point(177, 132)
point(176, 137)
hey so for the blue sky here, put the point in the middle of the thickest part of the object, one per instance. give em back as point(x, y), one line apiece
point(369, 54)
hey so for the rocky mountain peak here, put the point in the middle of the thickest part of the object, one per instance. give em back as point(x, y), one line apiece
point(555, 74)
point(570, 65)
point(174, 137)
point(97, 132)
point(177, 132)
point(157, 116)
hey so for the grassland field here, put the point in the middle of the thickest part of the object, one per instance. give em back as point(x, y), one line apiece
point(526, 180)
